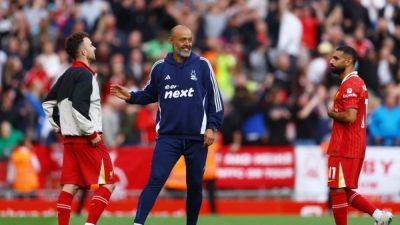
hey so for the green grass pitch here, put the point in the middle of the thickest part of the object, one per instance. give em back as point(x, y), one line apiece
point(204, 220)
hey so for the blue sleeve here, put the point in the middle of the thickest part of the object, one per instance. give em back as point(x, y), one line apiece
point(374, 124)
point(398, 126)
point(150, 93)
point(215, 109)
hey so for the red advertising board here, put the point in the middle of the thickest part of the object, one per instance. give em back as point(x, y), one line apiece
point(249, 168)
point(256, 167)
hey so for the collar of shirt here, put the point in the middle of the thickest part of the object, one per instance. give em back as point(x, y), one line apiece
point(354, 73)
point(77, 63)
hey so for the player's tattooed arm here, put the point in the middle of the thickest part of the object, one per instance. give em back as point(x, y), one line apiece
point(347, 116)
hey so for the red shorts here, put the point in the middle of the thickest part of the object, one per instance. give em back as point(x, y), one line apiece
point(85, 164)
point(344, 172)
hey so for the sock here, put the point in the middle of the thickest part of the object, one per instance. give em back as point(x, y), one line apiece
point(137, 224)
point(98, 204)
point(64, 207)
point(339, 207)
point(359, 202)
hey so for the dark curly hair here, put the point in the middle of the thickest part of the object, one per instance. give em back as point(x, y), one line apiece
point(350, 52)
point(73, 42)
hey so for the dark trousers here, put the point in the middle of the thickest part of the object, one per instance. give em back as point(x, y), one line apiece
point(166, 154)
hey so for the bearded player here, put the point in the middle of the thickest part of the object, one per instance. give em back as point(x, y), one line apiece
point(347, 146)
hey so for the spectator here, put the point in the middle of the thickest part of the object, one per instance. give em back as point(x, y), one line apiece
point(260, 67)
point(277, 117)
point(359, 42)
point(145, 124)
point(35, 14)
point(9, 139)
point(246, 107)
point(384, 123)
point(110, 118)
point(309, 22)
point(3, 60)
point(129, 132)
point(386, 66)
point(14, 109)
point(231, 128)
point(157, 48)
point(354, 13)
point(225, 65)
point(306, 114)
point(318, 67)
point(23, 172)
point(38, 76)
point(50, 60)
point(369, 72)
point(391, 12)
point(283, 76)
point(91, 10)
point(290, 32)
point(216, 18)
point(135, 66)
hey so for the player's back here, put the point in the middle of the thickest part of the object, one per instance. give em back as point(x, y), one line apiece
point(349, 139)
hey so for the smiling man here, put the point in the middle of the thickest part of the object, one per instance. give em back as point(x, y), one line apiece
point(190, 112)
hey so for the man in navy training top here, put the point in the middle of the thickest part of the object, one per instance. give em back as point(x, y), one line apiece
point(189, 115)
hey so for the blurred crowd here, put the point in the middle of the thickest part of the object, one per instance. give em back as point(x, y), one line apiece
point(271, 61)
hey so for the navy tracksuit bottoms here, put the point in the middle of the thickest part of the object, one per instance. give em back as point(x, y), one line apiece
point(166, 153)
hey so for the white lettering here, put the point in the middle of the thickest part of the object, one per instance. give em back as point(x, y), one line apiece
point(176, 94)
point(279, 173)
point(168, 94)
point(273, 158)
point(349, 95)
point(254, 173)
point(184, 93)
point(230, 173)
point(191, 92)
point(243, 159)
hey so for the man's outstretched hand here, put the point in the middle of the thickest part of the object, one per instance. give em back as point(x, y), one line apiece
point(120, 92)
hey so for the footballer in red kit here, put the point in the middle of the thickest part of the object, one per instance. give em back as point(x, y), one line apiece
point(73, 109)
point(348, 139)
point(347, 146)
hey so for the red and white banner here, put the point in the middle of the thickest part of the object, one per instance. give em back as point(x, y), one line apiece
point(311, 175)
point(380, 175)
point(379, 178)
point(256, 167)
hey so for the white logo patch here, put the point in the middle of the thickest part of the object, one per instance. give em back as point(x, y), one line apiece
point(193, 75)
point(167, 77)
point(349, 90)
point(184, 93)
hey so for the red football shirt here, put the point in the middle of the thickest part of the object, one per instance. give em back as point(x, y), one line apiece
point(349, 139)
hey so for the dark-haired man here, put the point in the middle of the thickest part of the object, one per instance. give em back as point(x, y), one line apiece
point(348, 142)
point(73, 109)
